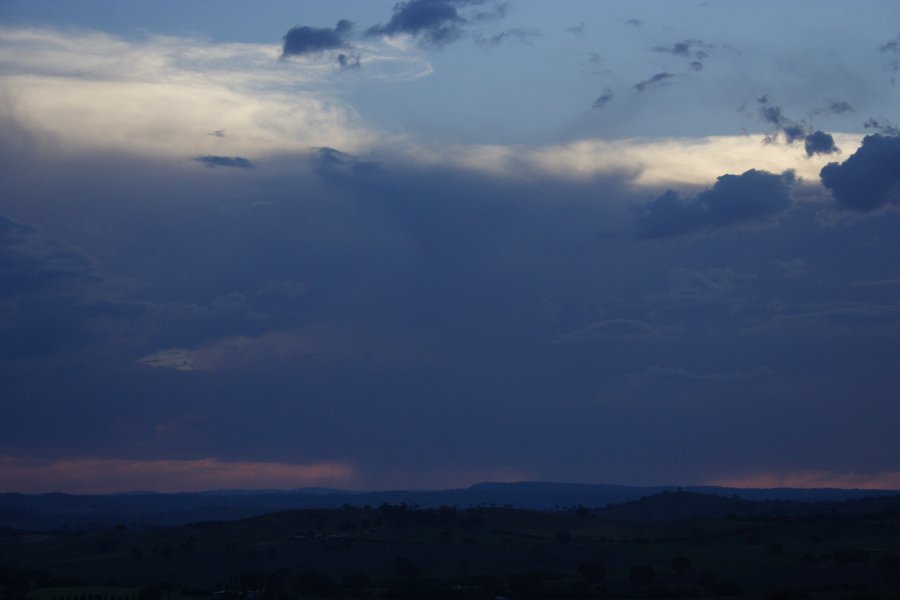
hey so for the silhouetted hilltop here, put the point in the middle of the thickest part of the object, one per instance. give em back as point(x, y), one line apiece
point(68, 511)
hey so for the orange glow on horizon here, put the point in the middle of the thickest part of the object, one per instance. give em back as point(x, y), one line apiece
point(105, 475)
point(881, 480)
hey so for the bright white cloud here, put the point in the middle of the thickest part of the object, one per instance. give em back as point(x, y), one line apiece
point(163, 95)
point(650, 162)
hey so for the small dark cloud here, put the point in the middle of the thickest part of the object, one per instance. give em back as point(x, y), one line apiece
point(311, 40)
point(654, 81)
point(753, 197)
point(577, 30)
point(335, 165)
point(819, 142)
point(837, 107)
point(892, 49)
point(604, 98)
point(635, 22)
point(349, 61)
point(840, 107)
point(883, 127)
point(869, 179)
point(238, 162)
point(434, 22)
point(516, 34)
point(695, 49)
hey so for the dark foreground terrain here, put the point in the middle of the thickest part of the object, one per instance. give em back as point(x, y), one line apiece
point(672, 545)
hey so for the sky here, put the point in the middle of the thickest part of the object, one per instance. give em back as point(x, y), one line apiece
point(425, 244)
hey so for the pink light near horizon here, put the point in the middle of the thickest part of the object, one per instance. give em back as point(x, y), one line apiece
point(105, 475)
point(881, 480)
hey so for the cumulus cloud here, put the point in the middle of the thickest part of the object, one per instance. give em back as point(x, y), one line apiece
point(819, 142)
point(238, 162)
point(753, 197)
point(869, 179)
point(434, 22)
point(304, 40)
point(653, 81)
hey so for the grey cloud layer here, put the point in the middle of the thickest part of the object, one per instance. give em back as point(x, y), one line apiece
point(320, 292)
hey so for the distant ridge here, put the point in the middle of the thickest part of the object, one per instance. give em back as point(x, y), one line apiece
point(60, 511)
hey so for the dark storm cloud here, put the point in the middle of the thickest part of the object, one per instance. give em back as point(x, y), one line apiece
point(869, 179)
point(32, 262)
point(435, 22)
point(652, 82)
point(311, 40)
point(50, 294)
point(819, 142)
point(517, 34)
point(750, 198)
point(238, 162)
point(604, 99)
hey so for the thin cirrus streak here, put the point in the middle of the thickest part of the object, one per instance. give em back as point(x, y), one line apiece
point(882, 480)
point(108, 475)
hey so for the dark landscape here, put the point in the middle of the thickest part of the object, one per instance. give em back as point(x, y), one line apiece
point(669, 544)
point(341, 300)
